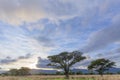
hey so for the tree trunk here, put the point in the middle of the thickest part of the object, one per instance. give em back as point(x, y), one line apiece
point(101, 74)
point(66, 69)
point(67, 75)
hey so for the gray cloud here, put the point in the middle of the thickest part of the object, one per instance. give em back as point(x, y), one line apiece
point(105, 37)
point(25, 57)
point(45, 41)
point(9, 60)
point(113, 54)
point(42, 63)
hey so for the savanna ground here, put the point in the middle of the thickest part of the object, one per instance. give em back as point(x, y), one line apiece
point(57, 77)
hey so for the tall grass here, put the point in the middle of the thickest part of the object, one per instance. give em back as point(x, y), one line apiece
point(57, 77)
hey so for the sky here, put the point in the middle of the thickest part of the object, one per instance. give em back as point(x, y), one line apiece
point(31, 30)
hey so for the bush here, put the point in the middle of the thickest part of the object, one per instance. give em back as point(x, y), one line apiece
point(20, 72)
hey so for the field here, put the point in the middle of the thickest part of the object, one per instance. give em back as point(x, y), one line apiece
point(57, 77)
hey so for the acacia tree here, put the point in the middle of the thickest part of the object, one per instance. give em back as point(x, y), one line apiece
point(101, 65)
point(65, 60)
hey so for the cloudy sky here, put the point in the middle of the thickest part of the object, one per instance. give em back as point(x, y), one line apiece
point(30, 30)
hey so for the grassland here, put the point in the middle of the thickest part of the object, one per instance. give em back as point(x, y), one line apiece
point(57, 77)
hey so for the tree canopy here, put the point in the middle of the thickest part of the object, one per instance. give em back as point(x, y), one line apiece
point(101, 65)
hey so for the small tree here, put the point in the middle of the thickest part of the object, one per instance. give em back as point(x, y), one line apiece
point(19, 72)
point(65, 60)
point(13, 72)
point(24, 71)
point(79, 73)
point(101, 65)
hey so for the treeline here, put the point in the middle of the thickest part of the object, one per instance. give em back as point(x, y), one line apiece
point(89, 73)
point(23, 71)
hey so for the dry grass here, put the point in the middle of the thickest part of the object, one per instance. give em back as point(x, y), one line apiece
point(57, 77)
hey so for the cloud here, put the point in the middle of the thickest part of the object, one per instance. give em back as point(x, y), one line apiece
point(20, 62)
point(42, 63)
point(20, 46)
point(7, 60)
point(16, 42)
point(18, 12)
point(25, 57)
point(46, 27)
point(45, 41)
point(104, 37)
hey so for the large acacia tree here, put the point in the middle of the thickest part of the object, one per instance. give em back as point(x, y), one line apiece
point(101, 65)
point(66, 60)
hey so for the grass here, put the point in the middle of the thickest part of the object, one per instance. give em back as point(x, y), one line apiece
point(26, 78)
point(57, 77)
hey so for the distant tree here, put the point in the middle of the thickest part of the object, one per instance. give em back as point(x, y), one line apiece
point(109, 73)
point(65, 60)
point(71, 72)
point(79, 73)
point(4, 74)
point(59, 73)
point(118, 72)
point(21, 72)
point(13, 72)
point(91, 73)
point(101, 65)
point(24, 71)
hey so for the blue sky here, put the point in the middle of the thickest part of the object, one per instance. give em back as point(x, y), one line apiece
point(30, 29)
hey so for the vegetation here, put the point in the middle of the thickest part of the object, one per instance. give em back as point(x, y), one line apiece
point(101, 65)
point(14, 72)
point(118, 72)
point(65, 60)
point(20, 72)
